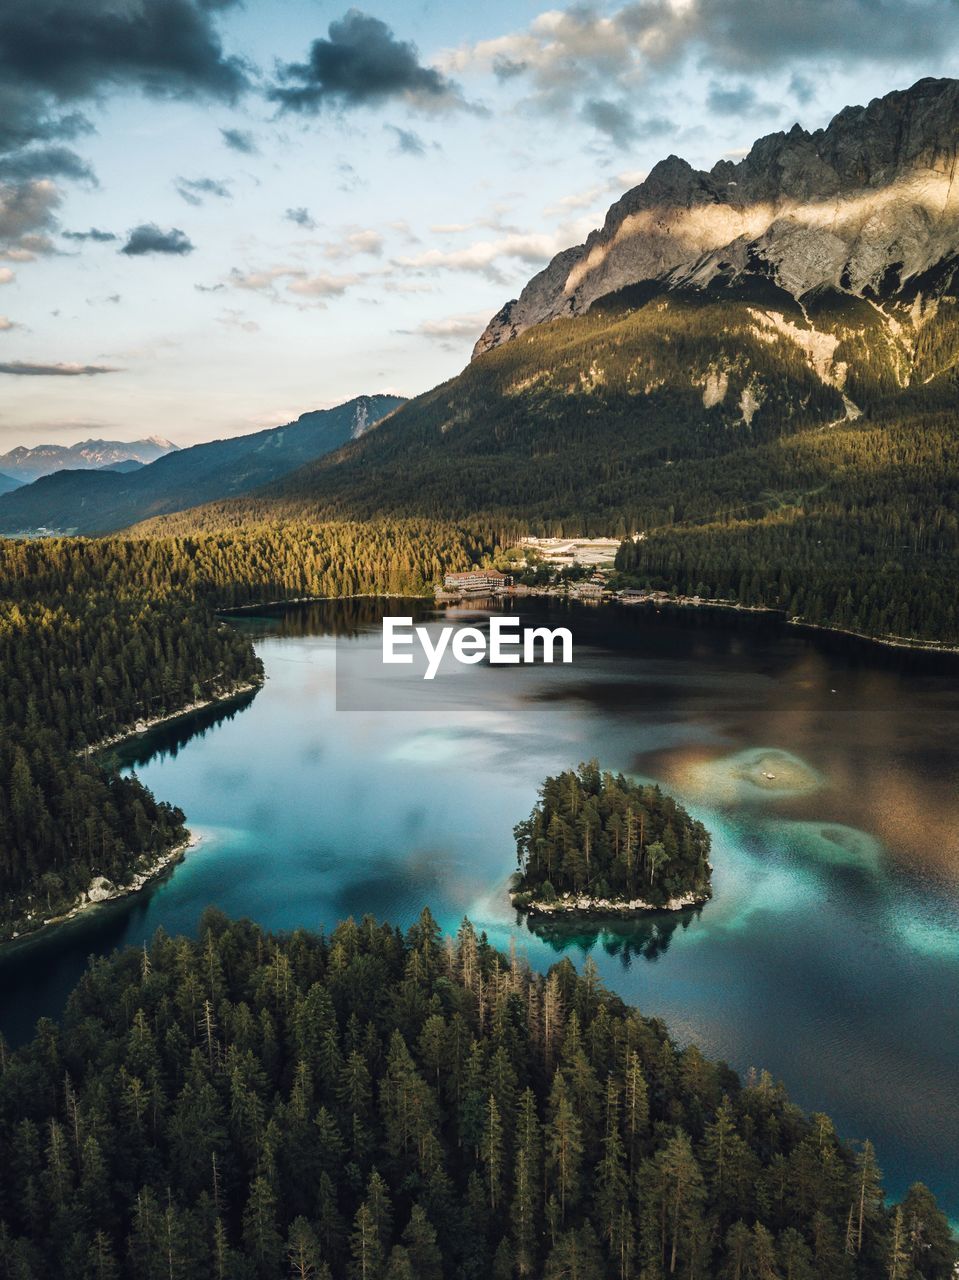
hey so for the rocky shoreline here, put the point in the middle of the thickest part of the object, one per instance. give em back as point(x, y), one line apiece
point(572, 905)
point(101, 890)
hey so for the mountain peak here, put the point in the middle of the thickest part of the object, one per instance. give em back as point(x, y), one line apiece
point(865, 205)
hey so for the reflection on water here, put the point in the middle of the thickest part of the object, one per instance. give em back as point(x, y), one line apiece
point(830, 951)
point(642, 939)
point(175, 734)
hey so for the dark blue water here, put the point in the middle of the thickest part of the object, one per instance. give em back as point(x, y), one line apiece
point(830, 953)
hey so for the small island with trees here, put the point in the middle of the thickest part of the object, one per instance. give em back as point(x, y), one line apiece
point(597, 844)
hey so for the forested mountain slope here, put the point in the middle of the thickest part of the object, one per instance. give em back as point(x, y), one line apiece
point(801, 456)
point(373, 1107)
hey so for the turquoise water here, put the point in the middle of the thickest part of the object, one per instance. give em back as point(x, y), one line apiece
point(830, 952)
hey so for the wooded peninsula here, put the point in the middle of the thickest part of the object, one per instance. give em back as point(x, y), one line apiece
point(374, 1106)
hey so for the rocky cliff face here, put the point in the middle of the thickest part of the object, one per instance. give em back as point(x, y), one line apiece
point(868, 206)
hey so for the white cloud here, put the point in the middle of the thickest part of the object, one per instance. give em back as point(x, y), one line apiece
point(534, 250)
point(598, 193)
point(6, 275)
point(469, 325)
point(355, 242)
point(233, 319)
point(602, 65)
point(323, 285)
point(298, 281)
point(261, 279)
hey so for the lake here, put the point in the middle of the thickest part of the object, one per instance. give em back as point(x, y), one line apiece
point(827, 773)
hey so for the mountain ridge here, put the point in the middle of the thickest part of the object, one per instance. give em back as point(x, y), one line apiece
point(865, 206)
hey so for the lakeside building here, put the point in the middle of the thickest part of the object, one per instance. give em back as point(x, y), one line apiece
point(478, 580)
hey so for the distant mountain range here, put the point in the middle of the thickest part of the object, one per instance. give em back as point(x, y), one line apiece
point(27, 465)
point(7, 484)
point(114, 496)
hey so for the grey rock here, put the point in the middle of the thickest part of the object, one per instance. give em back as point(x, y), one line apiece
point(868, 206)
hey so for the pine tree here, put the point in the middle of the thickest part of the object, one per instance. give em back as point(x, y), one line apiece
point(421, 1246)
point(868, 1196)
point(260, 1235)
point(612, 1190)
point(898, 1266)
point(492, 1152)
point(366, 1251)
point(564, 1145)
point(303, 1251)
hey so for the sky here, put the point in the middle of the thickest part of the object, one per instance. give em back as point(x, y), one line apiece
point(215, 216)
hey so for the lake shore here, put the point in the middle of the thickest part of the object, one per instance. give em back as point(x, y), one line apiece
point(151, 722)
point(659, 599)
point(100, 889)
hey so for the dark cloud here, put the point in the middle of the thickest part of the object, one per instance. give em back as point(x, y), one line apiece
point(94, 234)
point(731, 102)
point(737, 100)
point(612, 118)
point(239, 140)
point(27, 369)
point(209, 288)
point(408, 141)
point(193, 190)
point(578, 58)
point(360, 64)
point(67, 50)
point(149, 238)
point(28, 116)
point(350, 180)
point(301, 217)
point(754, 33)
point(45, 162)
point(508, 68)
point(802, 89)
point(57, 54)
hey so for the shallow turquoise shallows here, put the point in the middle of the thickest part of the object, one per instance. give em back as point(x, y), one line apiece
point(829, 777)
